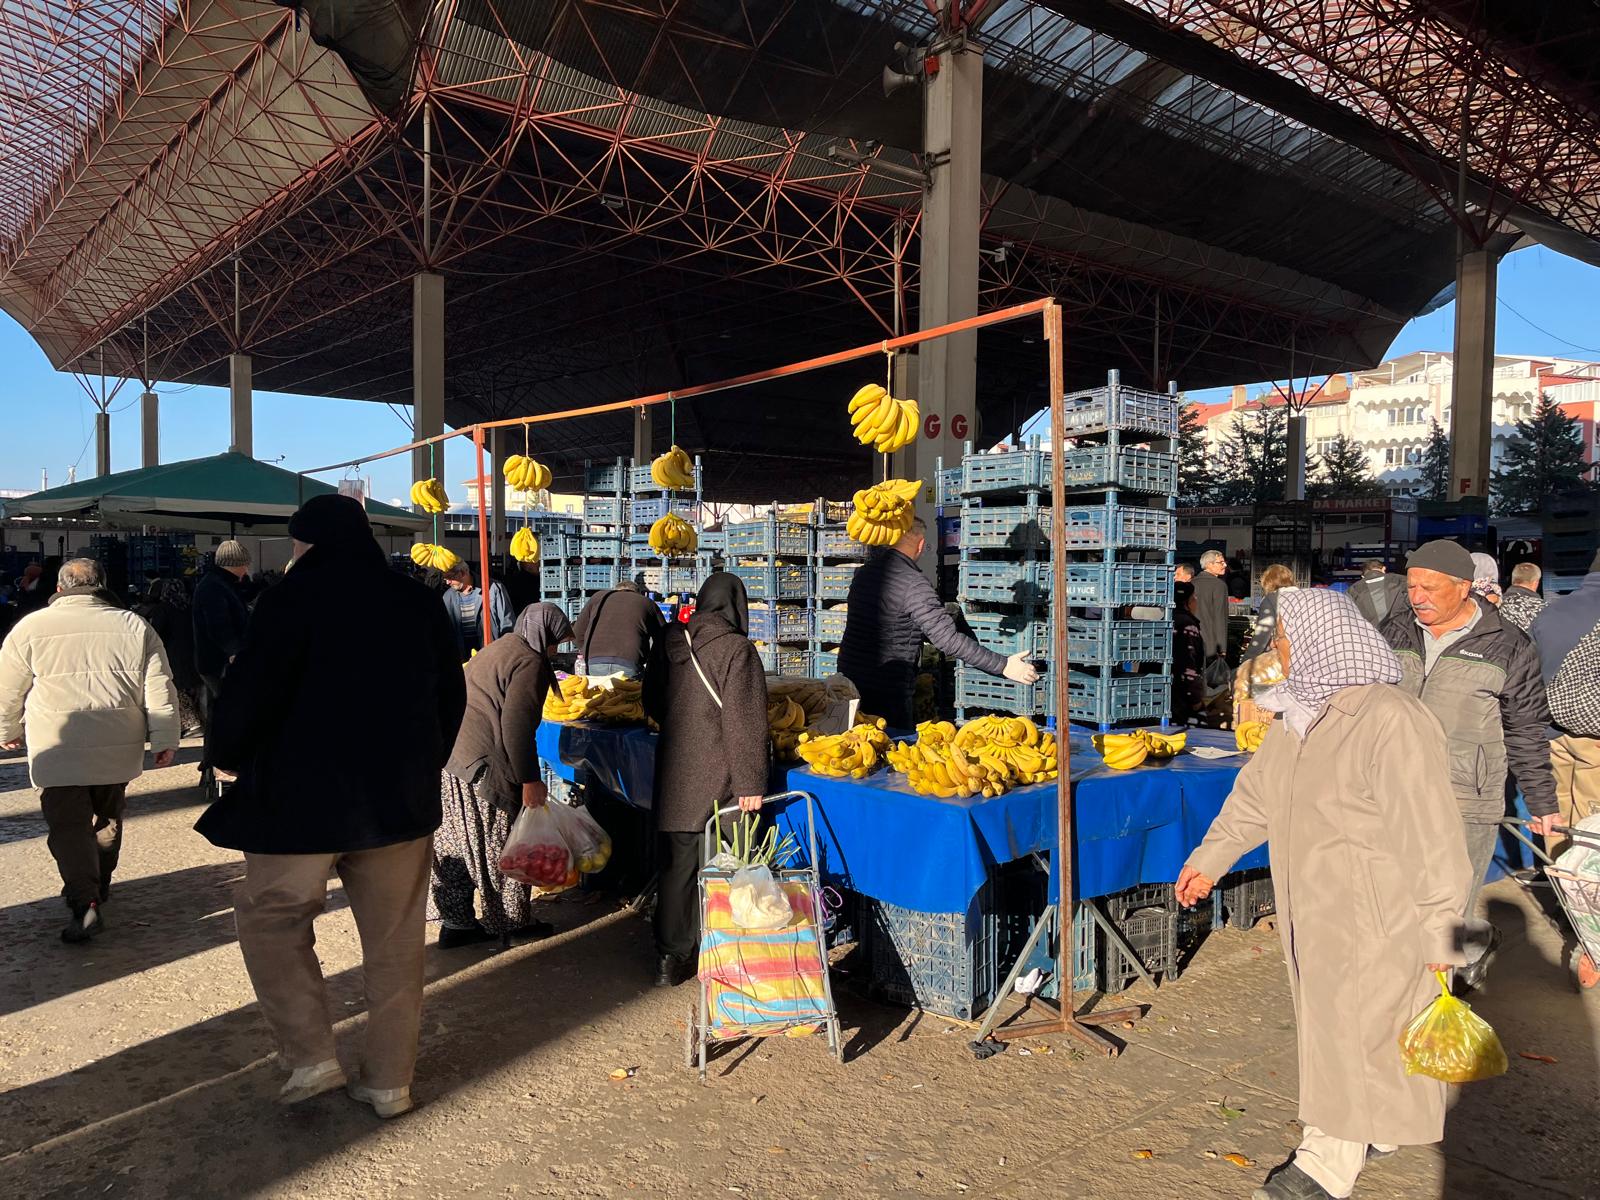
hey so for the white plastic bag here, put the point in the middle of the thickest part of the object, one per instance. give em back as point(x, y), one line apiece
point(756, 901)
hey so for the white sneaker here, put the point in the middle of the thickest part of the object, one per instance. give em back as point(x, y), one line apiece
point(386, 1102)
point(306, 1082)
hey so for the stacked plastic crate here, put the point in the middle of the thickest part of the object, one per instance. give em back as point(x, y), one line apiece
point(773, 558)
point(835, 563)
point(1121, 484)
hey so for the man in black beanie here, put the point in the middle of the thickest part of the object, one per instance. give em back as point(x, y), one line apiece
point(337, 716)
point(1479, 675)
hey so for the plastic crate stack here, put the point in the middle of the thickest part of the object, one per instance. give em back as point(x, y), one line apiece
point(1121, 533)
point(834, 564)
point(773, 556)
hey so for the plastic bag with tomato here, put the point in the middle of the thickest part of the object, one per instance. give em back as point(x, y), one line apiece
point(539, 853)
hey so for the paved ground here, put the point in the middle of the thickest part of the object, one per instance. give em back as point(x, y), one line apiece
point(138, 1066)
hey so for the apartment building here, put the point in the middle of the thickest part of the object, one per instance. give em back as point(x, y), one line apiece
point(1389, 410)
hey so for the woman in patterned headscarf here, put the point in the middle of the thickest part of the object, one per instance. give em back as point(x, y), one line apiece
point(1351, 792)
point(1486, 578)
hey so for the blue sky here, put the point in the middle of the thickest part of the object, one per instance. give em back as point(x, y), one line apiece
point(1549, 305)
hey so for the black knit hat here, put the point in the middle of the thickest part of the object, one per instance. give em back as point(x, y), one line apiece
point(332, 521)
point(1444, 556)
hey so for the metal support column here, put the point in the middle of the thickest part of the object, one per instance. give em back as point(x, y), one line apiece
point(499, 449)
point(242, 437)
point(1294, 476)
point(427, 368)
point(644, 435)
point(1472, 393)
point(149, 429)
point(102, 443)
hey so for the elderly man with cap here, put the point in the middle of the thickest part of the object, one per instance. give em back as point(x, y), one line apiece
point(1479, 675)
point(219, 615)
point(337, 715)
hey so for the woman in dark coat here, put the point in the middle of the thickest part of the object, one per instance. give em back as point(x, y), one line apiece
point(492, 774)
point(713, 749)
point(168, 612)
point(1188, 656)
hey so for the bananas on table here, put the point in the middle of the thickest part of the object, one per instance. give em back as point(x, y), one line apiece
point(673, 470)
point(816, 696)
point(987, 756)
point(426, 555)
point(428, 495)
point(883, 512)
point(855, 754)
point(1122, 751)
point(786, 721)
point(609, 699)
point(524, 546)
point(672, 536)
point(525, 475)
point(881, 421)
point(1163, 745)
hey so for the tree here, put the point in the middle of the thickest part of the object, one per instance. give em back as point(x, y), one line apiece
point(1253, 459)
point(1196, 479)
point(1544, 458)
point(1435, 482)
point(1342, 470)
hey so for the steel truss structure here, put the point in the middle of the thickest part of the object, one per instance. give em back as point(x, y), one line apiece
point(185, 179)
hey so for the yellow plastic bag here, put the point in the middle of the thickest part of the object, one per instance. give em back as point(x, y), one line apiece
point(1448, 1041)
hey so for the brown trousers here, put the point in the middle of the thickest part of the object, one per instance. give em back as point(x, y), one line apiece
point(85, 823)
point(1576, 763)
point(275, 906)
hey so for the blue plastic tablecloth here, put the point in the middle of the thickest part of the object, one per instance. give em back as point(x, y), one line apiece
point(878, 837)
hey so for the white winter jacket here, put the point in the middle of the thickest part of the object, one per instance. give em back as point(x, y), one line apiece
point(87, 684)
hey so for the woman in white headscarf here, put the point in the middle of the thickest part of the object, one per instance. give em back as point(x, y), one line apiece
point(1351, 792)
point(1486, 578)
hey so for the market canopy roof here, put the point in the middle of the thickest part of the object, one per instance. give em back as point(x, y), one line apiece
point(219, 494)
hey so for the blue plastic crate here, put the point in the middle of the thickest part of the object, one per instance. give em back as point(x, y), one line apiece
point(713, 540)
point(600, 545)
point(834, 542)
point(604, 510)
point(1152, 934)
point(793, 661)
point(831, 623)
point(639, 480)
point(1245, 897)
point(977, 690)
point(1006, 633)
point(1003, 582)
point(1105, 642)
point(949, 485)
point(1100, 699)
point(774, 581)
point(1118, 407)
point(824, 663)
point(606, 477)
point(1012, 471)
point(1132, 467)
point(1085, 957)
point(833, 580)
point(597, 577)
point(1116, 585)
point(947, 963)
point(648, 512)
point(559, 577)
point(785, 539)
point(780, 623)
point(1016, 528)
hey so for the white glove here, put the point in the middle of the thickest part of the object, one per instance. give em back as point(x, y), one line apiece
point(1020, 670)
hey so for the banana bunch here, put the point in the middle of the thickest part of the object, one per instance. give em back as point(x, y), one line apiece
point(943, 770)
point(1122, 751)
point(883, 512)
point(1163, 745)
point(674, 470)
point(1011, 749)
point(881, 421)
point(428, 495)
point(578, 698)
point(426, 554)
point(525, 475)
point(786, 721)
point(1247, 735)
point(672, 536)
point(813, 695)
point(524, 546)
point(854, 754)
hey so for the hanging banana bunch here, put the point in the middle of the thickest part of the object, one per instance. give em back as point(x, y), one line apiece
point(426, 555)
point(671, 536)
point(526, 475)
point(428, 495)
point(881, 421)
point(674, 470)
point(524, 546)
point(883, 512)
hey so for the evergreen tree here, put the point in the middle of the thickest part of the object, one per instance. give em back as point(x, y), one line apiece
point(1196, 479)
point(1342, 470)
point(1253, 459)
point(1544, 458)
point(1435, 482)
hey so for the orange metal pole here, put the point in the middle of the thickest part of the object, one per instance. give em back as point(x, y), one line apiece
point(483, 536)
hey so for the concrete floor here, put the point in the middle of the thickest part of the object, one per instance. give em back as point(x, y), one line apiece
point(138, 1066)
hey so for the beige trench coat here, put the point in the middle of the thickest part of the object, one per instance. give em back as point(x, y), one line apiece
point(1371, 876)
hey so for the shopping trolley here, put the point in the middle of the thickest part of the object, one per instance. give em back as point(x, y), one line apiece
point(755, 982)
point(1576, 887)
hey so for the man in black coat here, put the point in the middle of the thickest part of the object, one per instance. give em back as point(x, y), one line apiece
point(1211, 602)
point(220, 617)
point(1378, 593)
point(615, 630)
point(893, 608)
point(337, 715)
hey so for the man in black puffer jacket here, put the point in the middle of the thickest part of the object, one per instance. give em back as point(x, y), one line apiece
point(338, 715)
point(893, 608)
